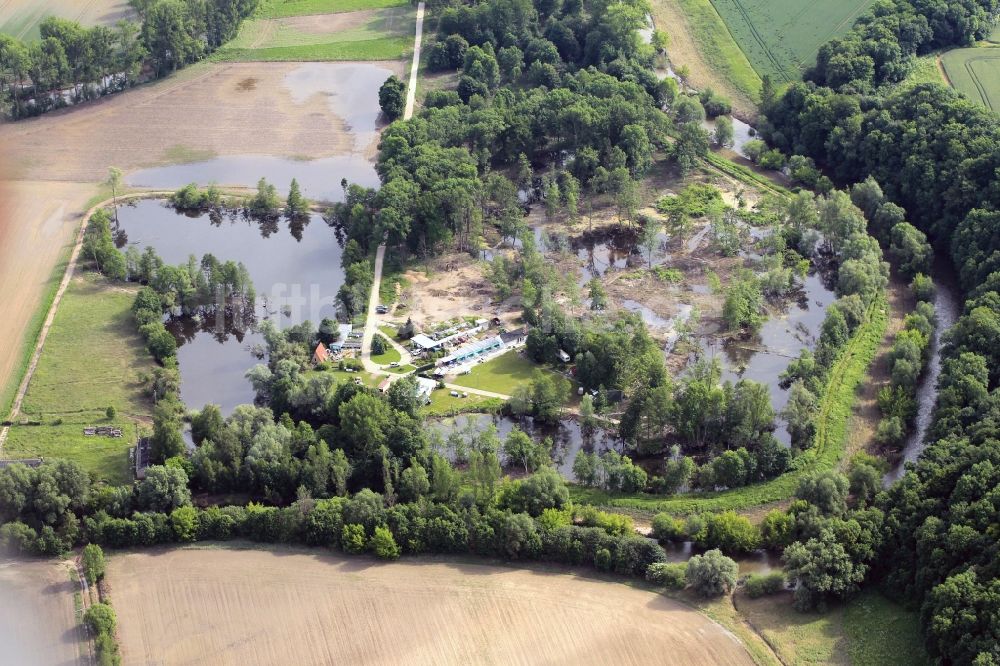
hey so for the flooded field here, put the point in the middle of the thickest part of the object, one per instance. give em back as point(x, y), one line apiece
point(295, 270)
point(350, 93)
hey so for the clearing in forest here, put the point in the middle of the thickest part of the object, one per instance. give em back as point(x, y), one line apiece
point(376, 34)
point(975, 72)
point(92, 360)
point(782, 37)
point(20, 18)
point(289, 606)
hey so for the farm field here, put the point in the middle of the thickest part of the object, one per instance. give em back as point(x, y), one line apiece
point(20, 18)
point(381, 34)
point(975, 72)
point(37, 620)
point(294, 607)
point(781, 37)
point(91, 360)
point(700, 41)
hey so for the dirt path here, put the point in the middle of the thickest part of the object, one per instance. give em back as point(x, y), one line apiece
point(411, 90)
point(370, 320)
point(22, 388)
point(296, 606)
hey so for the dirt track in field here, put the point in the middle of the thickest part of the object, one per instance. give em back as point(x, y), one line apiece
point(37, 623)
point(303, 607)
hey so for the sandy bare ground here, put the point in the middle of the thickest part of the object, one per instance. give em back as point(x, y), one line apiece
point(37, 622)
point(303, 607)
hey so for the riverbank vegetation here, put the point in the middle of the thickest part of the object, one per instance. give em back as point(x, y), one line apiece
point(894, 138)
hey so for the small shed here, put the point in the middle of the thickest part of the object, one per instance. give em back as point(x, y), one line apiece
point(425, 342)
point(384, 385)
point(321, 355)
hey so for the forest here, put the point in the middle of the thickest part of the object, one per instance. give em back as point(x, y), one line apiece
point(73, 63)
point(935, 154)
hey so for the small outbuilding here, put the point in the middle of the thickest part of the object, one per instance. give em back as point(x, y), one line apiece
point(321, 355)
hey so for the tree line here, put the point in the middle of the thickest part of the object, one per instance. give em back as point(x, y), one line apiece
point(933, 153)
point(71, 63)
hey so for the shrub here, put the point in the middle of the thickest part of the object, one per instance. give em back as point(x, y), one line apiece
point(758, 585)
point(352, 538)
point(712, 574)
point(100, 619)
point(602, 559)
point(672, 575)
point(668, 528)
point(383, 544)
point(92, 559)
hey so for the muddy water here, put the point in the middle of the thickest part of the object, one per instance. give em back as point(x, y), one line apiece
point(295, 270)
point(947, 307)
point(351, 93)
point(781, 339)
point(568, 436)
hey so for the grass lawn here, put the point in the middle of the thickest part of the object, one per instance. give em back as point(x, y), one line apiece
point(366, 378)
point(975, 72)
point(500, 375)
point(389, 332)
point(403, 369)
point(444, 404)
point(92, 360)
point(391, 355)
point(386, 34)
point(286, 8)
point(869, 630)
point(781, 37)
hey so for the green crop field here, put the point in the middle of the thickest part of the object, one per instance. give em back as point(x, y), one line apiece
point(285, 8)
point(781, 37)
point(20, 18)
point(385, 34)
point(91, 361)
point(976, 73)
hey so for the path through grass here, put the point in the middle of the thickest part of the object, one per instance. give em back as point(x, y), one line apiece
point(92, 360)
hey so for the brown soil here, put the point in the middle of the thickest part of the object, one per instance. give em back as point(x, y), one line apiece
point(37, 224)
point(37, 621)
point(207, 107)
point(302, 607)
point(451, 286)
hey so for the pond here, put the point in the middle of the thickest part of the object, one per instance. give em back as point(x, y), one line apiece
point(568, 436)
point(295, 271)
point(351, 93)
